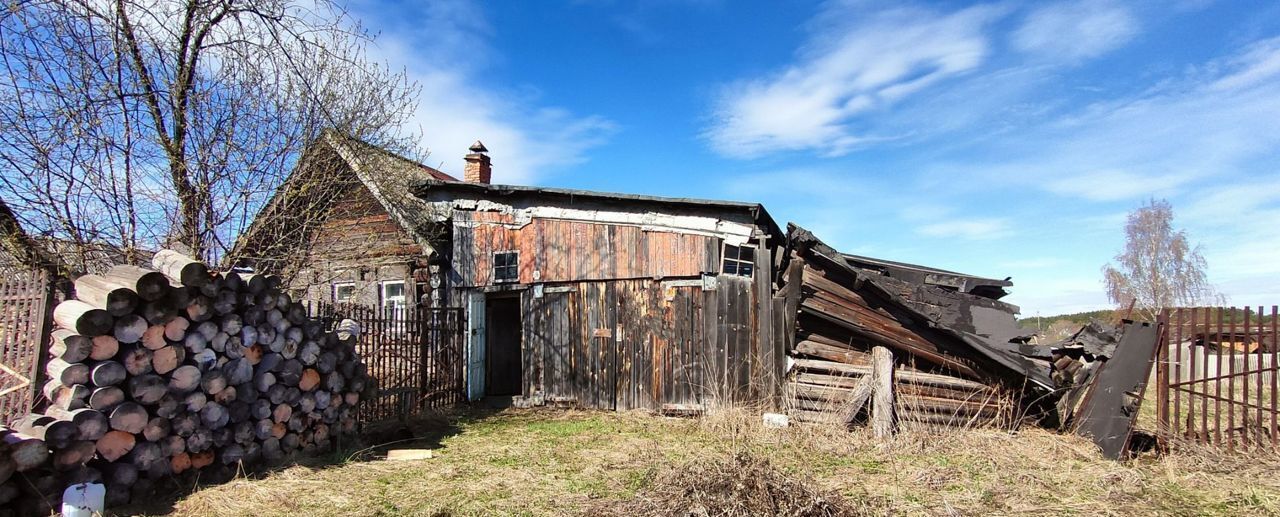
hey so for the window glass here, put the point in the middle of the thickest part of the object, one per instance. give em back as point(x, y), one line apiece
point(506, 266)
point(739, 260)
point(343, 293)
point(393, 295)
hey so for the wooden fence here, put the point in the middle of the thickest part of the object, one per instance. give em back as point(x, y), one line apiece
point(414, 354)
point(1216, 377)
point(25, 307)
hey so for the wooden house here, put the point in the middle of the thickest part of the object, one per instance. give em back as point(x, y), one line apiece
point(344, 227)
point(610, 301)
point(619, 301)
point(579, 298)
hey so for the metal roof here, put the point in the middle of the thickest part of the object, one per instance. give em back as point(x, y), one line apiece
point(756, 210)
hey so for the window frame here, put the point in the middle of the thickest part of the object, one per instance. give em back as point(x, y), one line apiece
point(513, 267)
point(339, 285)
point(733, 265)
point(403, 298)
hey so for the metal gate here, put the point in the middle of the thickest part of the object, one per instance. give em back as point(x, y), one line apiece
point(25, 299)
point(414, 355)
point(1216, 377)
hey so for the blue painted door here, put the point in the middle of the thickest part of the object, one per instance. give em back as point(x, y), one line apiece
point(475, 347)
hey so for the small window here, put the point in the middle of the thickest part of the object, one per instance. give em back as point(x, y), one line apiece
point(393, 295)
point(344, 293)
point(739, 260)
point(506, 266)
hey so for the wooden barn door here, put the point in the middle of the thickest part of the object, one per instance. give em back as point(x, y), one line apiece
point(680, 370)
point(548, 346)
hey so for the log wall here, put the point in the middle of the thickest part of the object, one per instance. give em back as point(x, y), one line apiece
point(359, 243)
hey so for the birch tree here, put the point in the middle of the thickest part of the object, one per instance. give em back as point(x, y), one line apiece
point(144, 123)
point(1159, 266)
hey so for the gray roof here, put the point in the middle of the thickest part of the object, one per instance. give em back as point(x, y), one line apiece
point(756, 210)
point(391, 178)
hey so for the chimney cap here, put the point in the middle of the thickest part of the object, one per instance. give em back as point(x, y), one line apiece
point(478, 147)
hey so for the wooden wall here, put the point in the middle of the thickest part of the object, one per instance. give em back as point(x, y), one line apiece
point(565, 251)
point(358, 227)
point(359, 242)
point(642, 343)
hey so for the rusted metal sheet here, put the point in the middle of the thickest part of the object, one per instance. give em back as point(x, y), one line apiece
point(1110, 408)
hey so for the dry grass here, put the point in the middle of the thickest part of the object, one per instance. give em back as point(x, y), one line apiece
point(543, 462)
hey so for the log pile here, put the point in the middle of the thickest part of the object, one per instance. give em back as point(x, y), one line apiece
point(176, 370)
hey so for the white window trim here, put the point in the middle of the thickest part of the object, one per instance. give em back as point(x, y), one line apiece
point(402, 299)
point(338, 285)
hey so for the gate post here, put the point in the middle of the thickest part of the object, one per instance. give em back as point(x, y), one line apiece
point(1163, 430)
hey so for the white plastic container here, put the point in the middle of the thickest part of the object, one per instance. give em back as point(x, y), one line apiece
point(776, 420)
point(83, 500)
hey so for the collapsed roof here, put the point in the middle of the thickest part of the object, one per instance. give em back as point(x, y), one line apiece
point(963, 331)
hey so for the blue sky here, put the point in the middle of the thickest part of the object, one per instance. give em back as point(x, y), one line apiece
point(999, 139)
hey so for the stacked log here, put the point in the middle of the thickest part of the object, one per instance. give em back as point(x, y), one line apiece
point(180, 369)
point(821, 391)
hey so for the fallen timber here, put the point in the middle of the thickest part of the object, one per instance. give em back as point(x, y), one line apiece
point(959, 357)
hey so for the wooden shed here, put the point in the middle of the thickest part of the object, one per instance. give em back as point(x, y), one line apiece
point(610, 301)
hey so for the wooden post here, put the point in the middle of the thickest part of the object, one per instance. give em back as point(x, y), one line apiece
point(858, 399)
point(882, 408)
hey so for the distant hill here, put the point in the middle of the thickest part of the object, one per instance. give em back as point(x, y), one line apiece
point(1079, 318)
point(1082, 318)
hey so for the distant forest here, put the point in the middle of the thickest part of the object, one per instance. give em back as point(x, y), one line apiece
point(1106, 315)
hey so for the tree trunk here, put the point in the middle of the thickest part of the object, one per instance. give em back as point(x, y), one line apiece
point(115, 445)
point(83, 318)
point(181, 268)
point(104, 347)
point(69, 346)
point(129, 417)
point(150, 285)
point(117, 299)
point(129, 328)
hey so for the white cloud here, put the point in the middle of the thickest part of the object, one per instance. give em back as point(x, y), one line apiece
point(1259, 63)
point(443, 46)
point(851, 66)
point(1075, 30)
point(969, 229)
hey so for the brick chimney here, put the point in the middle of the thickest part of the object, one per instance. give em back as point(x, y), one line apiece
point(479, 169)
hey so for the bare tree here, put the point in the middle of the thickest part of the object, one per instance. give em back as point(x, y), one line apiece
point(1159, 267)
point(141, 123)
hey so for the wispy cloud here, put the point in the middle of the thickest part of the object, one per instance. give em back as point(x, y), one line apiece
point(1075, 30)
point(854, 65)
point(969, 229)
point(444, 47)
